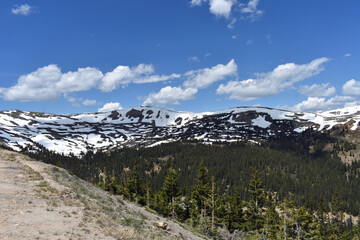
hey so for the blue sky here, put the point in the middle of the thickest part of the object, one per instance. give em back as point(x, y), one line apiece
point(63, 56)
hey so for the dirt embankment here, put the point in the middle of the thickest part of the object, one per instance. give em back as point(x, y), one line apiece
point(40, 201)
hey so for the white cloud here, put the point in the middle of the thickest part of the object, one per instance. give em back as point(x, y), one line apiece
point(347, 55)
point(23, 9)
point(231, 23)
point(111, 106)
point(224, 8)
point(352, 104)
point(170, 95)
point(81, 80)
point(351, 88)
point(36, 86)
point(250, 10)
point(317, 90)
point(203, 78)
point(72, 100)
point(123, 75)
point(269, 84)
point(314, 104)
point(193, 59)
point(197, 2)
point(48, 83)
point(88, 102)
point(220, 8)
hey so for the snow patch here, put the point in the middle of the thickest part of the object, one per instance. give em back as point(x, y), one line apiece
point(261, 122)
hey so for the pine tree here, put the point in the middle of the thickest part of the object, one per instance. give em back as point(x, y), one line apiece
point(302, 221)
point(134, 186)
point(287, 219)
point(200, 193)
point(255, 218)
point(213, 203)
point(336, 223)
point(272, 219)
point(170, 192)
point(322, 218)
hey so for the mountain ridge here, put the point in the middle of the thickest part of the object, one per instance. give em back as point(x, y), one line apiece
point(148, 126)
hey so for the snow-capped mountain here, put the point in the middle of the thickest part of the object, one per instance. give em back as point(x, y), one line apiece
point(148, 126)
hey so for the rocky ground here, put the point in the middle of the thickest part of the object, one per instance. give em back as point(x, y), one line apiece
point(40, 201)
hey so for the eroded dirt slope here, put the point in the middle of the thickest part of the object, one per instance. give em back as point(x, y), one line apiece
point(40, 201)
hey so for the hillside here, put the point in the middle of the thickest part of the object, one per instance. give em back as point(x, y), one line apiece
point(145, 126)
point(40, 201)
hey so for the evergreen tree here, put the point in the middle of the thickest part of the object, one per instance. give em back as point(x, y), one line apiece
point(200, 193)
point(336, 222)
point(322, 218)
point(302, 221)
point(254, 214)
point(170, 192)
point(135, 187)
point(214, 200)
point(272, 219)
point(287, 213)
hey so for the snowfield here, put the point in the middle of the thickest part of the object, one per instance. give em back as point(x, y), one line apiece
point(148, 126)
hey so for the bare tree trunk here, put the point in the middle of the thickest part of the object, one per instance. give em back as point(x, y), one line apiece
point(285, 218)
point(148, 198)
point(172, 208)
point(212, 205)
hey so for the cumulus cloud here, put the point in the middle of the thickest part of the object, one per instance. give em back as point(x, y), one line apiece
point(48, 83)
point(111, 106)
point(203, 78)
point(347, 55)
point(317, 90)
point(224, 8)
point(24, 9)
point(220, 8)
point(314, 104)
point(269, 84)
point(351, 88)
point(123, 75)
point(88, 102)
point(81, 80)
point(36, 86)
point(250, 10)
point(170, 95)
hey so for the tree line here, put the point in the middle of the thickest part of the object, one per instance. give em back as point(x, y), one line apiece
point(286, 168)
point(211, 212)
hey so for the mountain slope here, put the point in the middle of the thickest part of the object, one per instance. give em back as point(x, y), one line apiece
point(147, 126)
point(40, 201)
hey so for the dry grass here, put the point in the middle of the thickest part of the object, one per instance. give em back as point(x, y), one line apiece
point(33, 175)
point(45, 187)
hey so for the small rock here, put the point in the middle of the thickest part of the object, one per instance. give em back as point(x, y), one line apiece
point(163, 225)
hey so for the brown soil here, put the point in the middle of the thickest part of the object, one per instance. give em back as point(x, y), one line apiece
point(40, 201)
